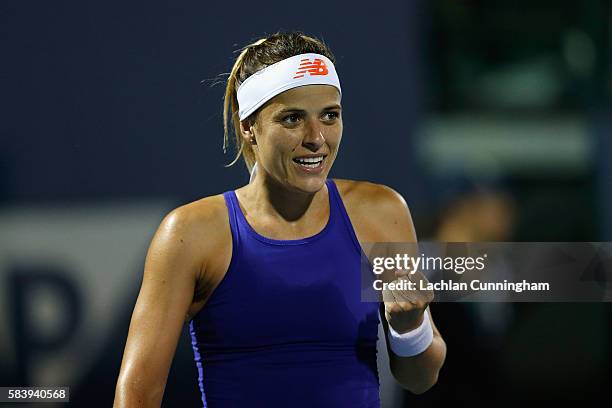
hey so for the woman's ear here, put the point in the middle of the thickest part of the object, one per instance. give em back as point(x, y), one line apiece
point(247, 132)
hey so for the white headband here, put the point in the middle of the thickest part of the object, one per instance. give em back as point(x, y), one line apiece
point(299, 70)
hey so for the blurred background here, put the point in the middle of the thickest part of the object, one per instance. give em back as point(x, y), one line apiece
point(492, 119)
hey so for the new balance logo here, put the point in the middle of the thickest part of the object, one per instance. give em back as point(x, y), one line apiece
point(316, 67)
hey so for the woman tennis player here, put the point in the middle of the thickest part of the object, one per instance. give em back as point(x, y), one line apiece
point(268, 276)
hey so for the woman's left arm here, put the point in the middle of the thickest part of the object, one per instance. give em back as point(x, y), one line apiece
point(417, 373)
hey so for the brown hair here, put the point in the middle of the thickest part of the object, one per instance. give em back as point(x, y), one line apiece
point(252, 58)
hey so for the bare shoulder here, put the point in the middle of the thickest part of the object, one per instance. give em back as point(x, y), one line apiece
point(377, 212)
point(369, 193)
point(194, 242)
point(199, 217)
point(197, 232)
point(201, 226)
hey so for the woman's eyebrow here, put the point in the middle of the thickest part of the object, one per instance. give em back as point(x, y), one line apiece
point(292, 110)
point(299, 110)
point(333, 107)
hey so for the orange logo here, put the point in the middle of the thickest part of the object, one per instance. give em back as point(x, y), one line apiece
point(316, 67)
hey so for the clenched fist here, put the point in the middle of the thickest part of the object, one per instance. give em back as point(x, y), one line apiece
point(404, 307)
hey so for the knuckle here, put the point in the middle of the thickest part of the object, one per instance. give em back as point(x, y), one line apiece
point(392, 308)
point(420, 305)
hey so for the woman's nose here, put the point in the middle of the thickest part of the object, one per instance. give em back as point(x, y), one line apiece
point(314, 137)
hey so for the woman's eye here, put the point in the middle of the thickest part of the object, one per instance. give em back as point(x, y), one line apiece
point(293, 118)
point(331, 115)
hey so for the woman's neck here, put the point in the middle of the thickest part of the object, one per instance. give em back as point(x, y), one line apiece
point(266, 196)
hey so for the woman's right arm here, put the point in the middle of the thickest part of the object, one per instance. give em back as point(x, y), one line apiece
point(173, 264)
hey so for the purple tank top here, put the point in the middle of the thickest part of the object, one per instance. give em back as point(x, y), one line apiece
point(286, 326)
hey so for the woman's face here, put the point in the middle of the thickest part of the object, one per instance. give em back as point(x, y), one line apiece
point(298, 133)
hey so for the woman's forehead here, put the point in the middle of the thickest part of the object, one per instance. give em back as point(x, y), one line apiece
point(309, 96)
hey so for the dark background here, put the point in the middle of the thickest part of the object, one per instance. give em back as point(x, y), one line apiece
point(110, 103)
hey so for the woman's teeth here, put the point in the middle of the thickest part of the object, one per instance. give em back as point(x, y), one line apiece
point(309, 161)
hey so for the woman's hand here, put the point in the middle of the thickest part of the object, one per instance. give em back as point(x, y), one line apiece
point(403, 307)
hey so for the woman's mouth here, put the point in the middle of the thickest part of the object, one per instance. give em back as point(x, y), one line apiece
point(310, 164)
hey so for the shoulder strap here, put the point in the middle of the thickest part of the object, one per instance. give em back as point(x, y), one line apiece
point(232, 207)
point(337, 204)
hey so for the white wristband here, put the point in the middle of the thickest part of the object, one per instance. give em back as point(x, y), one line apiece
point(413, 342)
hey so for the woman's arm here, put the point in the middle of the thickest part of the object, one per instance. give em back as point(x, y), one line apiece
point(381, 215)
point(172, 267)
point(420, 372)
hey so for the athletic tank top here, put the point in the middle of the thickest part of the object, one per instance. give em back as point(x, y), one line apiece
point(286, 327)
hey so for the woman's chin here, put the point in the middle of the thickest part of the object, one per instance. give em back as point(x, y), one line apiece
point(310, 184)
